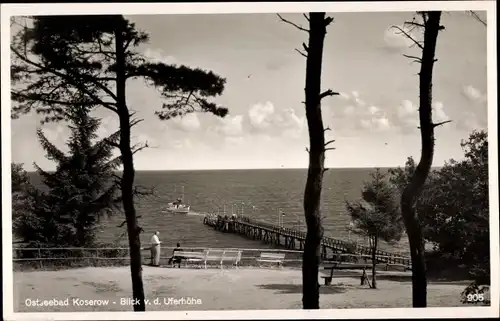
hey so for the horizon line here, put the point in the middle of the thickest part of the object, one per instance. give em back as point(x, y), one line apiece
point(245, 169)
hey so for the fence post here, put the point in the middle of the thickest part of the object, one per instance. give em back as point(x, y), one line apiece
point(40, 257)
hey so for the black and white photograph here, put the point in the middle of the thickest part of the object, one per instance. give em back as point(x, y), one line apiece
point(249, 160)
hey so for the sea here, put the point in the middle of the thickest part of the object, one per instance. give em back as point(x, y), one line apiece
point(260, 194)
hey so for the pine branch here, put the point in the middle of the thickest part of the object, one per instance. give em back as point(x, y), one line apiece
point(301, 53)
point(329, 142)
point(53, 153)
point(66, 78)
point(441, 123)
point(408, 36)
point(415, 59)
point(291, 23)
point(328, 21)
point(136, 149)
point(327, 93)
point(476, 16)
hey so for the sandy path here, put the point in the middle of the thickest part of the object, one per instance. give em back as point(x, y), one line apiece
point(246, 288)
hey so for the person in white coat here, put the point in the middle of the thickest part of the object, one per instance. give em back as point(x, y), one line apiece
point(155, 249)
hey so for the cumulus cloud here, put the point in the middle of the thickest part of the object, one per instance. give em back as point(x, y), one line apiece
point(408, 117)
point(187, 123)
point(470, 121)
point(474, 95)
point(158, 55)
point(179, 143)
point(230, 125)
point(376, 123)
point(109, 125)
point(438, 113)
point(373, 110)
point(259, 115)
point(353, 97)
point(356, 114)
point(264, 118)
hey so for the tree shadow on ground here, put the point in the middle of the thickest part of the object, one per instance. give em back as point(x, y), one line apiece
point(430, 279)
point(297, 288)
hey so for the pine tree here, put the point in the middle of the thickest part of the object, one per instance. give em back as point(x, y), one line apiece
point(82, 187)
point(430, 24)
point(313, 52)
point(377, 216)
point(59, 57)
point(24, 223)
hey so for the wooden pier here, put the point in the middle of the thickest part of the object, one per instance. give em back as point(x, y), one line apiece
point(292, 239)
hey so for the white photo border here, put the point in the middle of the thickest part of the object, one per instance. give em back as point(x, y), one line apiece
point(8, 10)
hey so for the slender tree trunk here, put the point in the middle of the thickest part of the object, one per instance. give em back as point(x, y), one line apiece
point(127, 183)
point(374, 262)
point(413, 190)
point(312, 193)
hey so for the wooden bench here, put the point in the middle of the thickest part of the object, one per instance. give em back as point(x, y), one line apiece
point(221, 256)
point(190, 257)
point(328, 278)
point(277, 258)
point(233, 257)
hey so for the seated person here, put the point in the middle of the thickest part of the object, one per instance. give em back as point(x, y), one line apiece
point(176, 259)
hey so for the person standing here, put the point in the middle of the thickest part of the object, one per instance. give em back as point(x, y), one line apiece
point(155, 249)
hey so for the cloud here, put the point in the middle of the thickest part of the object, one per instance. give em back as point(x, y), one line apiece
point(474, 95)
point(376, 123)
point(179, 143)
point(353, 98)
point(230, 125)
point(406, 115)
point(109, 125)
point(187, 123)
point(373, 110)
point(264, 118)
point(259, 115)
point(470, 121)
point(158, 55)
point(357, 115)
point(438, 113)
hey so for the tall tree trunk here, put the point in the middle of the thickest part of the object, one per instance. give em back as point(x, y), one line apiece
point(312, 193)
point(127, 183)
point(374, 262)
point(413, 190)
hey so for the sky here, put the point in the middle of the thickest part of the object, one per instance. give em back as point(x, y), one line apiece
point(373, 121)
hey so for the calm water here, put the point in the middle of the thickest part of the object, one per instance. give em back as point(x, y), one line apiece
point(258, 193)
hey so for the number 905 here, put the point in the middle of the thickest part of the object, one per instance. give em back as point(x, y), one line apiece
point(476, 297)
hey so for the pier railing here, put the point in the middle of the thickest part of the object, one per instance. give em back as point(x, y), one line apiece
point(271, 233)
